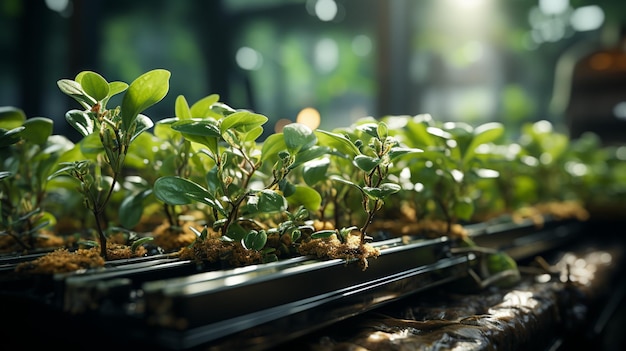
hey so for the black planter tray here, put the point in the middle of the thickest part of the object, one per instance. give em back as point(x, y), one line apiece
point(522, 240)
point(168, 304)
point(165, 303)
point(260, 306)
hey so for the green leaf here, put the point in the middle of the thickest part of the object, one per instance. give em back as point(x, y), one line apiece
point(417, 134)
point(287, 187)
point(205, 128)
point(73, 89)
point(382, 191)
point(163, 129)
point(10, 137)
point(320, 234)
point(94, 85)
point(204, 132)
point(5, 174)
point(254, 240)
point(366, 163)
point(91, 145)
point(140, 242)
point(203, 107)
point(345, 181)
point(253, 134)
point(116, 88)
point(309, 154)
point(307, 197)
point(11, 117)
point(499, 262)
point(463, 208)
point(438, 132)
point(315, 171)
point(143, 123)
point(271, 201)
point(369, 128)
point(145, 91)
point(298, 137)
point(37, 130)
point(175, 190)
point(396, 152)
point(338, 142)
point(235, 232)
point(242, 121)
point(181, 108)
point(132, 207)
point(483, 134)
point(81, 121)
point(272, 145)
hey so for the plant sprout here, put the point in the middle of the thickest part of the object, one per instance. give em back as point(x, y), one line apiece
point(107, 133)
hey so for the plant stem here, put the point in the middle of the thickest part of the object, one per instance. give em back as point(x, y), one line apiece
point(102, 237)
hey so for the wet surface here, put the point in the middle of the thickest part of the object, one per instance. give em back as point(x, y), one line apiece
point(555, 306)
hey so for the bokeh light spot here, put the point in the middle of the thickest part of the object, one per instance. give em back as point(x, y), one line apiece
point(310, 117)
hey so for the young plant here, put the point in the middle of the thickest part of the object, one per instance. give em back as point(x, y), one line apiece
point(371, 152)
point(545, 152)
point(237, 194)
point(28, 151)
point(107, 133)
point(452, 162)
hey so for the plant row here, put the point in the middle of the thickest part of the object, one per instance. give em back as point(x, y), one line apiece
point(207, 171)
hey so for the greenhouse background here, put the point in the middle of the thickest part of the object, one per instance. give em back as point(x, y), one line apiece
point(328, 62)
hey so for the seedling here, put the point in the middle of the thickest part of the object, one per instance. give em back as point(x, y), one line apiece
point(237, 195)
point(450, 166)
point(28, 151)
point(371, 152)
point(107, 133)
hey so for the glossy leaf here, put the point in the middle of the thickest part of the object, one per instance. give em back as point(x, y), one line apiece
point(203, 107)
point(298, 137)
point(132, 208)
point(242, 121)
point(369, 128)
point(307, 197)
point(204, 132)
point(254, 240)
point(116, 88)
point(253, 134)
point(366, 163)
point(320, 234)
point(271, 201)
point(175, 190)
point(81, 121)
point(181, 108)
point(417, 133)
point(483, 134)
point(272, 145)
point(315, 171)
point(338, 142)
point(91, 145)
point(396, 152)
point(143, 123)
point(382, 191)
point(37, 130)
point(11, 117)
point(73, 89)
point(382, 130)
point(309, 154)
point(94, 85)
point(345, 181)
point(145, 91)
point(10, 137)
